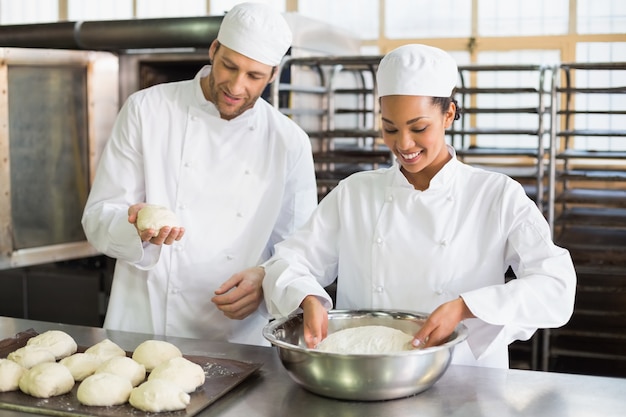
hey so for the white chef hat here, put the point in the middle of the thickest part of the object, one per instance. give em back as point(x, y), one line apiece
point(257, 31)
point(417, 70)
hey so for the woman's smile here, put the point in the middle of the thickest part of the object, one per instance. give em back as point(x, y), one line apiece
point(410, 157)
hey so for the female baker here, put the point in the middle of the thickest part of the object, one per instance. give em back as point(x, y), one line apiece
point(429, 234)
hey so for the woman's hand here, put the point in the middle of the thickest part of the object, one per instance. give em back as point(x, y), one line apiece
point(241, 294)
point(315, 321)
point(441, 323)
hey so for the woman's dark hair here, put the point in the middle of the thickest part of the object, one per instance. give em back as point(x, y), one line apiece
point(444, 104)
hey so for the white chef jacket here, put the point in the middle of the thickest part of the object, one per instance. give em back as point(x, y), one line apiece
point(394, 247)
point(237, 187)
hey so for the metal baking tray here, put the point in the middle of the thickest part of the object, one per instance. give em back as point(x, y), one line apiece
point(222, 375)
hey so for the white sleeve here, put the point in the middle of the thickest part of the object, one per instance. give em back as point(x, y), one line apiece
point(541, 296)
point(301, 266)
point(119, 183)
point(300, 196)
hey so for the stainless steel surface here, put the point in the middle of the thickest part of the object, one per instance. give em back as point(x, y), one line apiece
point(114, 35)
point(361, 376)
point(462, 391)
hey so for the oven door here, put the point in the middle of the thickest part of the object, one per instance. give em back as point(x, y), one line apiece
point(57, 109)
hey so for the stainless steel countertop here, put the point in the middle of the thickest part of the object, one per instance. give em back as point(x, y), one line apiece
point(462, 391)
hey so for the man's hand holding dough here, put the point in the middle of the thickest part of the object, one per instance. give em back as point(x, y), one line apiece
point(155, 224)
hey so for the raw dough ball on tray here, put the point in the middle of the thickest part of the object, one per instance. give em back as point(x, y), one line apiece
point(181, 371)
point(81, 365)
point(29, 356)
point(105, 350)
point(47, 380)
point(155, 217)
point(56, 341)
point(366, 340)
point(10, 374)
point(159, 395)
point(152, 353)
point(104, 389)
point(125, 367)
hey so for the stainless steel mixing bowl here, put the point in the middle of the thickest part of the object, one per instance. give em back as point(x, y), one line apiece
point(362, 377)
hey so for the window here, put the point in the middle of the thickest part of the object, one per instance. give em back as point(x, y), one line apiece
point(601, 16)
point(522, 17)
point(601, 111)
point(406, 19)
point(96, 10)
point(165, 8)
point(219, 7)
point(532, 79)
point(28, 11)
point(359, 17)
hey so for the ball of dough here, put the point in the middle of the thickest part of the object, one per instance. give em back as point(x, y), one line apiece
point(159, 395)
point(81, 365)
point(182, 372)
point(47, 380)
point(367, 340)
point(155, 217)
point(56, 341)
point(125, 367)
point(152, 353)
point(104, 390)
point(105, 350)
point(10, 374)
point(29, 356)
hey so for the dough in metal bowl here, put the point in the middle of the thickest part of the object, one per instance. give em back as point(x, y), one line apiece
point(366, 340)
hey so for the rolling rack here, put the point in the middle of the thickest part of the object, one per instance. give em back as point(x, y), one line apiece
point(589, 212)
point(505, 127)
point(523, 126)
point(333, 99)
